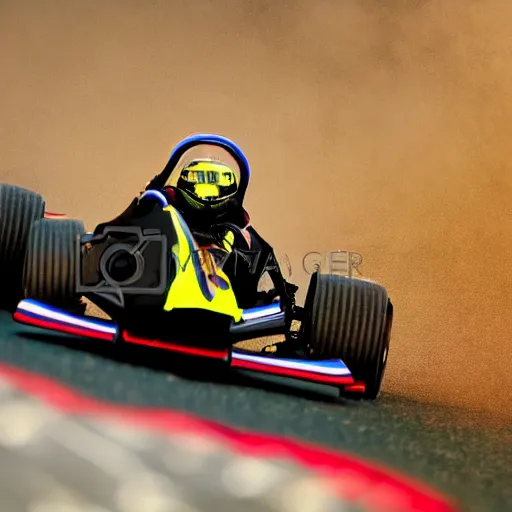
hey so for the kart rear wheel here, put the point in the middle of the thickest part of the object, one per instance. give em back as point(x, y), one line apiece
point(50, 265)
point(349, 319)
point(19, 209)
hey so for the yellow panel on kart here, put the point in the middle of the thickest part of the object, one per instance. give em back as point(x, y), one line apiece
point(199, 283)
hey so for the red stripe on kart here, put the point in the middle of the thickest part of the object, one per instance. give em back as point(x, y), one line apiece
point(193, 351)
point(50, 215)
point(289, 372)
point(372, 485)
point(65, 328)
point(357, 387)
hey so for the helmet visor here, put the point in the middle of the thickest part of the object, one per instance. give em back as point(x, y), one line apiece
point(208, 180)
point(208, 173)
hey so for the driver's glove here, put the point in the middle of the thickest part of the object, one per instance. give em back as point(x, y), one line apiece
point(228, 240)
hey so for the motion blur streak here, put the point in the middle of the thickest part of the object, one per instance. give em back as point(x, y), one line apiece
point(389, 121)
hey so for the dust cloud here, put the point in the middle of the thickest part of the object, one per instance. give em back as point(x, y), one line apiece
point(381, 127)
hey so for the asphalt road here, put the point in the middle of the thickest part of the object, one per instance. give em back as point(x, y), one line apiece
point(461, 454)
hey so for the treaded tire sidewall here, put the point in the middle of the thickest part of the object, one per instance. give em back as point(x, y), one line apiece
point(349, 319)
point(19, 209)
point(50, 265)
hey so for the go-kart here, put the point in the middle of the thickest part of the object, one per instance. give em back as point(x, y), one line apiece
point(162, 289)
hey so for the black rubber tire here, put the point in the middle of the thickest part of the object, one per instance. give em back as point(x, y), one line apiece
point(349, 319)
point(19, 209)
point(50, 265)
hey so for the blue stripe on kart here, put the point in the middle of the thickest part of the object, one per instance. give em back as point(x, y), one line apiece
point(261, 311)
point(327, 367)
point(57, 322)
point(49, 313)
point(155, 194)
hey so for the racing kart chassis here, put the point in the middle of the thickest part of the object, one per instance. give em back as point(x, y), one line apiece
point(162, 290)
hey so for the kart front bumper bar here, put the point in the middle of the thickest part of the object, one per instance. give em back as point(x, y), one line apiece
point(255, 322)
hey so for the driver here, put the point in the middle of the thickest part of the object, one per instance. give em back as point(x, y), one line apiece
point(206, 196)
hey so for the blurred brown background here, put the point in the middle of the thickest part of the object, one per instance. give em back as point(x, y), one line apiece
point(377, 126)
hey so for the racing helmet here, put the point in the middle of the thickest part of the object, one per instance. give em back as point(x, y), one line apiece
point(207, 185)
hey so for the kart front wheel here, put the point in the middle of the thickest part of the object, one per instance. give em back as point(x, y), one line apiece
point(349, 319)
point(19, 209)
point(50, 265)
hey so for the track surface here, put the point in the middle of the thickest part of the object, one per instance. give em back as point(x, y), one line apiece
point(460, 454)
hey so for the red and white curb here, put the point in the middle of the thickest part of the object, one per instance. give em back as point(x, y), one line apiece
point(62, 450)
